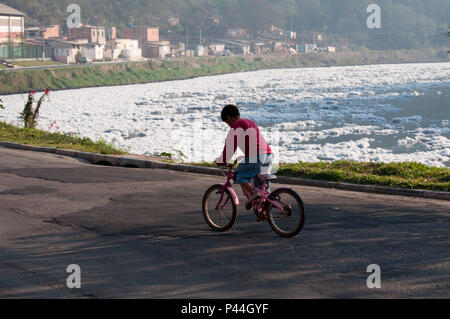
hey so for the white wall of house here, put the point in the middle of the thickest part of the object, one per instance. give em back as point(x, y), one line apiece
point(129, 48)
point(65, 55)
point(10, 27)
point(93, 52)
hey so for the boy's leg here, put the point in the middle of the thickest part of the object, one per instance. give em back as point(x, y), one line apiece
point(247, 188)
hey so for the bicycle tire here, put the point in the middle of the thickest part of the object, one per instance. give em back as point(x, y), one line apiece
point(206, 209)
point(301, 207)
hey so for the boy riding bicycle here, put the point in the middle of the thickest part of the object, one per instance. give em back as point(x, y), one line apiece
point(245, 134)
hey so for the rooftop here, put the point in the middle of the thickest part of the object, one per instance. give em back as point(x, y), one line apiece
point(4, 9)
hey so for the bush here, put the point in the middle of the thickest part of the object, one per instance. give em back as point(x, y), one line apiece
point(29, 115)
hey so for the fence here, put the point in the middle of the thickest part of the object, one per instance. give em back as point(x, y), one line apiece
point(23, 51)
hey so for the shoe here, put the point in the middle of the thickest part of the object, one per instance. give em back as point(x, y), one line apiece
point(249, 203)
point(261, 216)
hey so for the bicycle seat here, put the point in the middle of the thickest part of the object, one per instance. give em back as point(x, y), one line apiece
point(267, 177)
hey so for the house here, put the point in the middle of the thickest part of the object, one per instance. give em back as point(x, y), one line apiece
point(236, 33)
point(112, 53)
point(156, 49)
point(32, 32)
point(129, 49)
point(51, 32)
point(12, 24)
point(189, 53)
point(148, 34)
point(112, 33)
point(260, 48)
point(308, 48)
point(92, 34)
point(278, 47)
point(200, 50)
point(216, 48)
point(237, 46)
point(178, 49)
point(64, 51)
point(92, 51)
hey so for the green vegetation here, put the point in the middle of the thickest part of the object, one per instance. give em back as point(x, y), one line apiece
point(30, 114)
point(408, 175)
point(72, 77)
point(406, 24)
point(10, 133)
point(403, 175)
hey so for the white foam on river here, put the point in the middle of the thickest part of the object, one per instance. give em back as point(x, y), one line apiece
point(311, 114)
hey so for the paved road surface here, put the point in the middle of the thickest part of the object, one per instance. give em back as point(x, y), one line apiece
point(58, 66)
point(140, 233)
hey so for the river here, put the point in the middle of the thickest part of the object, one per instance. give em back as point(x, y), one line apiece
point(388, 113)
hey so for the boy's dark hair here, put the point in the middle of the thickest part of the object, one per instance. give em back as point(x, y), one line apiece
point(230, 110)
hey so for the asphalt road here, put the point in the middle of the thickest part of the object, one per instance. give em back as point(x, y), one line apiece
point(57, 66)
point(140, 233)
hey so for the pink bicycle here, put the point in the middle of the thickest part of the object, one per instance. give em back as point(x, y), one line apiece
point(283, 208)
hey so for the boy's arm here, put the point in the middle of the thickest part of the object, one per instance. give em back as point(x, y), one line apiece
point(231, 144)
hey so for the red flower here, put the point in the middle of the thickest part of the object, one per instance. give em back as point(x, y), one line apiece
point(47, 91)
point(32, 92)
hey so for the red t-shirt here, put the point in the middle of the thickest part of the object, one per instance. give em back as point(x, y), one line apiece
point(244, 134)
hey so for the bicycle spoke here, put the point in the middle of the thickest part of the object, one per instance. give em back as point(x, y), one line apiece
point(289, 220)
point(219, 209)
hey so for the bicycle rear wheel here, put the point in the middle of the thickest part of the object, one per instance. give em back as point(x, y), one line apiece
point(219, 214)
point(290, 221)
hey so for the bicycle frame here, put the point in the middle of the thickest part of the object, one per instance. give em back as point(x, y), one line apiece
point(264, 193)
point(228, 186)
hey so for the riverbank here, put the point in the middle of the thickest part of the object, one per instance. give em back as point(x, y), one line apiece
point(73, 77)
point(396, 175)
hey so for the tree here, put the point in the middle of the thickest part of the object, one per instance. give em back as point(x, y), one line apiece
point(78, 57)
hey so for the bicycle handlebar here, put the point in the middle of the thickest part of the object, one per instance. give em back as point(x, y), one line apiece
point(231, 165)
point(228, 165)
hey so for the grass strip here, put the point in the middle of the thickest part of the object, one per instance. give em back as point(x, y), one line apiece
point(40, 138)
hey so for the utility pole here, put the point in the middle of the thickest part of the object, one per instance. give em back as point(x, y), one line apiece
point(42, 29)
point(187, 37)
point(43, 43)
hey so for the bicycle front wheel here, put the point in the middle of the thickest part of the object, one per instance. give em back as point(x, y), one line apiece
point(219, 208)
point(290, 221)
